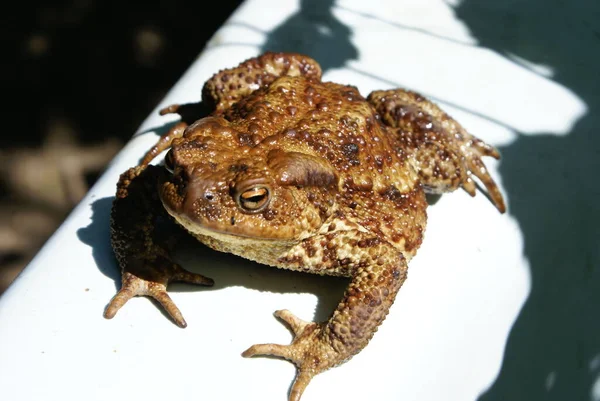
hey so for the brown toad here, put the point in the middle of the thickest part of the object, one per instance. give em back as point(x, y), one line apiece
point(299, 174)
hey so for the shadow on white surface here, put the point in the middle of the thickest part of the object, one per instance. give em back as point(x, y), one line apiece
point(314, 30)
point(227, 270)
point(553, 186)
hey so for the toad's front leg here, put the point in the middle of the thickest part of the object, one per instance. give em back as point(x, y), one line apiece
point(146, 265)
point(377, 270)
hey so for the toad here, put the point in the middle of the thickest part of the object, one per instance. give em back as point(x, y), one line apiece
point(300, 174)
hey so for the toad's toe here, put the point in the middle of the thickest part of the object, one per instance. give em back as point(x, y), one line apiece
point(155, 288)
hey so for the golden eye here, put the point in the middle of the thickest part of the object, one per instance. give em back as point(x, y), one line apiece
point(255, 199)
point(169, 163)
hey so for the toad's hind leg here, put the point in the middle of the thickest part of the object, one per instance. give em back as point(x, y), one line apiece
point(229, 86)
point(445, 154)
point(145, 263)
point(377, 270)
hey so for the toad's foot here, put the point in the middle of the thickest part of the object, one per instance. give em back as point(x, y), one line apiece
point(155, 287)
point(309, 351)
point(473, 149)
point(447, 156)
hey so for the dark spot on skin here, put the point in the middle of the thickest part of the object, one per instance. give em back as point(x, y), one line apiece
point(369, 242)
point(397, 237)
point(310, 249)
point(351, 94)
point(304, 135)
point(238, 168)
point(254, 128)
point(402, 111)
point(425, 123)
point(323, 211)
point(192, 144)
point(269, 214)
point(245, 139)
point(347, 121)
point(350, 150)
point(392, 193)
point(274, 116)
point(322, 106)
point(293, 260)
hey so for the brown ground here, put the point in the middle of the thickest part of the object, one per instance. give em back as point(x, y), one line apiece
point(80, 76)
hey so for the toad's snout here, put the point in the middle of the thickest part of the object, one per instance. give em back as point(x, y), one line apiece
point(202, 200)
point(195, 197)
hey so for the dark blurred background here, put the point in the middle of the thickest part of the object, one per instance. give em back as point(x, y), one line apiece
point(79, 77)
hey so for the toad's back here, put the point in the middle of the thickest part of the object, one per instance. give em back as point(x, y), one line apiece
point(378, 188)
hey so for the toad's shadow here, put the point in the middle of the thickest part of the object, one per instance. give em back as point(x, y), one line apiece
point(226, 269)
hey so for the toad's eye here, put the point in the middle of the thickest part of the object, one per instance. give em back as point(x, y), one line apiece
point(169, 164)
point(254, 199)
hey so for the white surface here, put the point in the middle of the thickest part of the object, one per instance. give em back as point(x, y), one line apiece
point(445, 335)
